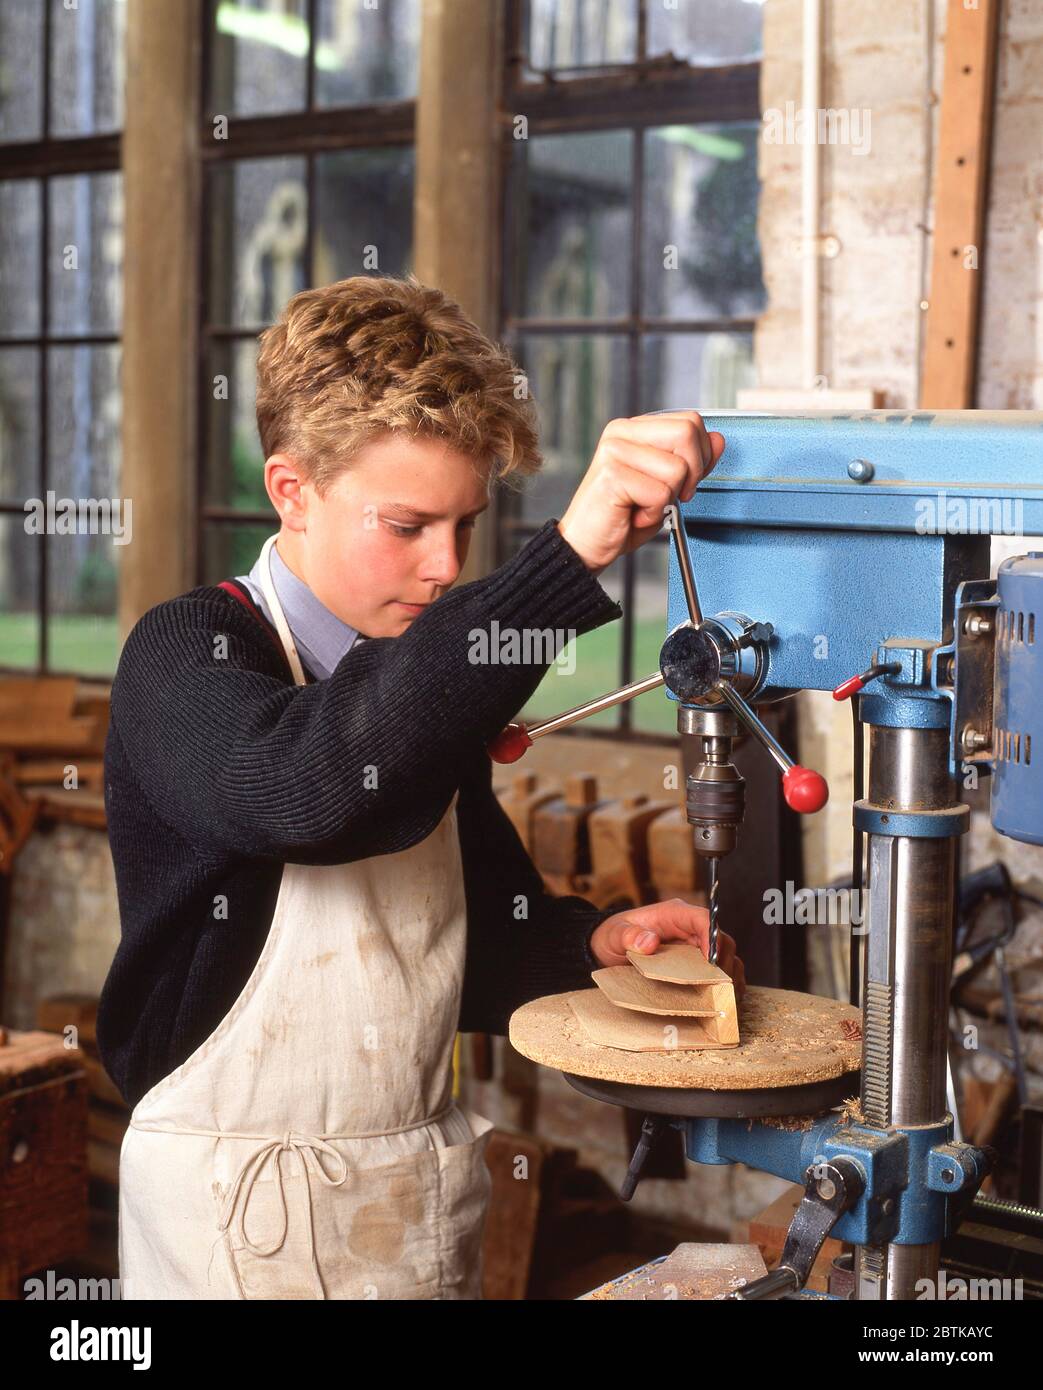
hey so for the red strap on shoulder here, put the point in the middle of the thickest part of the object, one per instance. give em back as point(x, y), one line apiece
point(239, 593)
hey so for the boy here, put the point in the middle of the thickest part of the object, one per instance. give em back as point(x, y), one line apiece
point(317, 885)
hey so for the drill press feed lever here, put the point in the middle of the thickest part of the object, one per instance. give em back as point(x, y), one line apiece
point(702, 662)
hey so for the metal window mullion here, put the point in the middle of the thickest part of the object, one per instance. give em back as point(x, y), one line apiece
point(49, 340)
point(203, 357)
point(369, 126)
point(310, 155)
point(637, 224)
point(43, 597)
point(309, 77)
point(45, 86)
point(639, 97)
point(208, 19)
point(42, 351)
point(560, 327)
point(310, 176)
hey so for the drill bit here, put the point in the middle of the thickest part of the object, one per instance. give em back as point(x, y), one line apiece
point(714, 908)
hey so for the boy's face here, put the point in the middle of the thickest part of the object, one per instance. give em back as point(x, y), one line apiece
point(390, 535)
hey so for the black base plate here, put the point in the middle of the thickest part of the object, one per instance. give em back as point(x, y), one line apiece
point(811, 1099)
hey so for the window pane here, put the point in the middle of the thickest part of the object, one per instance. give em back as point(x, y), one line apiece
point(258, 58)
point(82, 627)
point(21, 70)
point(87, 66)
point(230, 548)
point(235, 466)
point(365, 213)
point(19, 594)
point(701, 257)
point(581, 33)
point(572, 225)
point(366, 53)
point(19, 424)
point(83, 426)
point(587, 666)
point(695, 371)
point(579, 384)
point(706, 31)
point(83, 467)
point(258, 233)
point(19, 257)
point(85, 256)
point(652, 712)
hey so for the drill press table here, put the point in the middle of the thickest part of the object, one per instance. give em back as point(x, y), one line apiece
point(795, 1058)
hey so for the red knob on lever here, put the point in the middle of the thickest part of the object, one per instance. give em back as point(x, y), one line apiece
point(804, 790)
point(509, 744)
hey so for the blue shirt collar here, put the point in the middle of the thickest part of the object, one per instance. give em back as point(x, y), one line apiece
point(322, 638)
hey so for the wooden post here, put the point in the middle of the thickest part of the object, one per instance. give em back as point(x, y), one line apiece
point(160, 179)
point(959, 206)
point(456, 208)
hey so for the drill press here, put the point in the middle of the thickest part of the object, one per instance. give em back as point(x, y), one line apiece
point(860, 543)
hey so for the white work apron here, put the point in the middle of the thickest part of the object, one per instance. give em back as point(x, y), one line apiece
point(311, 1146)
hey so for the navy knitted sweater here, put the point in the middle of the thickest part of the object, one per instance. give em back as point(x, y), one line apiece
point(219, 770)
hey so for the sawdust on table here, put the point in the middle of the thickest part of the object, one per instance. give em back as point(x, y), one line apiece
point(791, 1123)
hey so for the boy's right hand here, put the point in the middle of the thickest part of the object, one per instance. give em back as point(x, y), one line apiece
point(640, 466)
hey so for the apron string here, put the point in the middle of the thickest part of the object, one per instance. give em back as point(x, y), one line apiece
point(240, 1134)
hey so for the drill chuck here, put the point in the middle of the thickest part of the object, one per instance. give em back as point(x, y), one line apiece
point(715, 799)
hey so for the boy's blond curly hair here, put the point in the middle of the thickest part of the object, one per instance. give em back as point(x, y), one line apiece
point(352, 361)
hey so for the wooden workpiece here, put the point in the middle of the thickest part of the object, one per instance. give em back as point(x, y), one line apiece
point(692, 1003)
point(630, 1030)
point(629, 989)
point(788, 1039)
point(676, 962)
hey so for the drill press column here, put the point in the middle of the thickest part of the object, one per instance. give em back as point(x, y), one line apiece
point(908, 962)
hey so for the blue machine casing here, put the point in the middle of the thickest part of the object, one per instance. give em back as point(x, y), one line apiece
point(1017, 788)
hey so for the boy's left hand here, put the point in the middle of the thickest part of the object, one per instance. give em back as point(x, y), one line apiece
point(643, 928)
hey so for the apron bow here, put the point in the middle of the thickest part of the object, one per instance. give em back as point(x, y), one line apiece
point(309, 1147)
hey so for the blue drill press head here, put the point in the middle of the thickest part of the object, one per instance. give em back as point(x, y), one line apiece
point(861, 541)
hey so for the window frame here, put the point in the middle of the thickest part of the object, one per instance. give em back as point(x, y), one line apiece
point(42, 160)
point(307, 134)
point(633, 97)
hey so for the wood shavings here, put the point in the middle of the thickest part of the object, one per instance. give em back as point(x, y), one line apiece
point(851, 1111)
